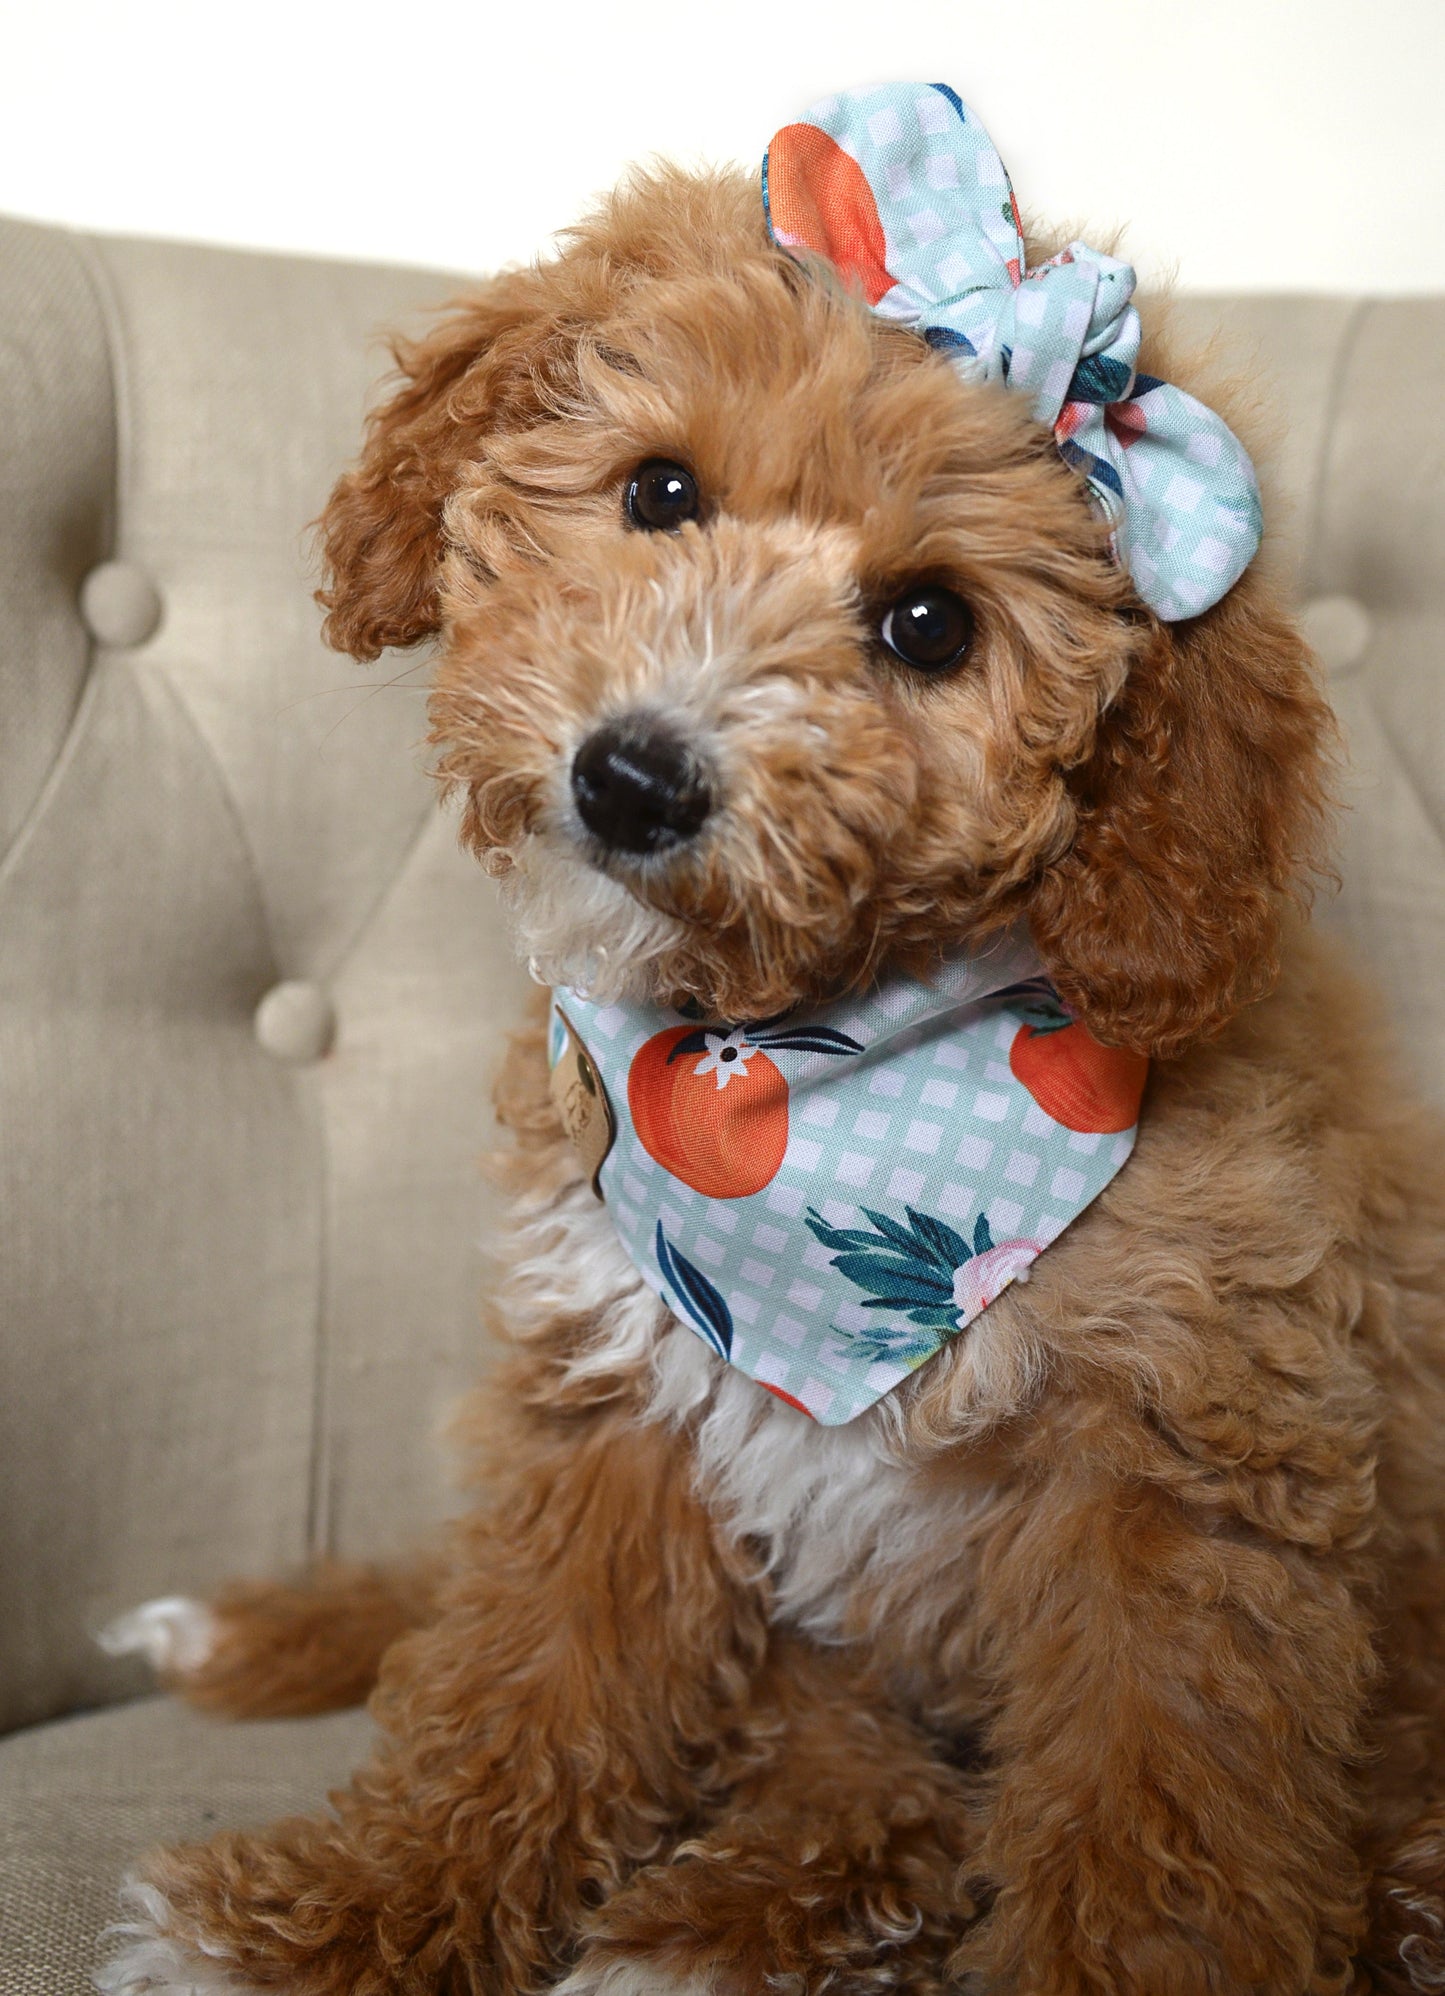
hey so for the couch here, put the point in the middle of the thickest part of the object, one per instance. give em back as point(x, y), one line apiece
point(250, 994)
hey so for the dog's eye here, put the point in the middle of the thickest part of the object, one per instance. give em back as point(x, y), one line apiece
point(660, 496)
point(928, 627)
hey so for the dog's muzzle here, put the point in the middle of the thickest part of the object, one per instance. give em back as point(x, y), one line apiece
point(637, 787)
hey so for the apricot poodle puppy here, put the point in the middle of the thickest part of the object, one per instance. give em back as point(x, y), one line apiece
point(786, 663)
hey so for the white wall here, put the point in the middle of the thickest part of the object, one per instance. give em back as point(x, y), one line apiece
point(1253, 144)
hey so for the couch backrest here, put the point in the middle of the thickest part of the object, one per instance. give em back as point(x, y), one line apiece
point(239, 1224)
point(249, 993)
point(1357, 386)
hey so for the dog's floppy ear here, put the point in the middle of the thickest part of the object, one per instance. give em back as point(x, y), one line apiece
point(487, 362)
point(1201, 812)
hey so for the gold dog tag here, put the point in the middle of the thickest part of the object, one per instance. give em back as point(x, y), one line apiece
point(582, 1104)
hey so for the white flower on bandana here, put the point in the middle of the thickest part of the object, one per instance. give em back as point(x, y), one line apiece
point(983, 1278)
point(727, 1055)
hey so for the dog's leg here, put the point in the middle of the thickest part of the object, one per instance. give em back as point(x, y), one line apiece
point(1173, 1799)
point(264, 1649)
point(583, 1689)
point(840, 1862)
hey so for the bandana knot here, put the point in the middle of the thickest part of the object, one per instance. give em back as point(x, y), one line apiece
point(902, 191)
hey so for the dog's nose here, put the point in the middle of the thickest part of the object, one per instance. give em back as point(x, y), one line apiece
point(638, 787)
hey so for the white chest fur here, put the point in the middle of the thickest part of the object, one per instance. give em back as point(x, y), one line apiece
point(830, 1508)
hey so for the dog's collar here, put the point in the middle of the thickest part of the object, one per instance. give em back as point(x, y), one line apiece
point(828, 1199)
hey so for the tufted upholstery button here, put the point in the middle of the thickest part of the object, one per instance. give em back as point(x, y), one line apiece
point(295, 1021)
point(1339, 628)
point(120, 604)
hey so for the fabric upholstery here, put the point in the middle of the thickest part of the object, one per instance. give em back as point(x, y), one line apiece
point(239, 1224)
point(236, 1291)
point(81, 1798)
point(1354, 387)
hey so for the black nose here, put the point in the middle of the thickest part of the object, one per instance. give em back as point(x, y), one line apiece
point(638, 787)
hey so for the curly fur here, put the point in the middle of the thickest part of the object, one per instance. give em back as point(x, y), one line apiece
point(1107, 1654)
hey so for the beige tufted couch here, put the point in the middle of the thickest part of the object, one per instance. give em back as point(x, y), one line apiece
point(250, 995)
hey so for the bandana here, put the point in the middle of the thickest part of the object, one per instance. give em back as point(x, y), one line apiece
point(901, 191)
point(829, 1198)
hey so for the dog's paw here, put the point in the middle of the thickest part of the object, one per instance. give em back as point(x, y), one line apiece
point(174, 1634)
point(151, 1961)
point(602, 1973)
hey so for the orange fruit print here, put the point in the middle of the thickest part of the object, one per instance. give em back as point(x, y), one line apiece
point(1079, 1083)
point(712, 1108)
point(819, 199)
point(723, 1142)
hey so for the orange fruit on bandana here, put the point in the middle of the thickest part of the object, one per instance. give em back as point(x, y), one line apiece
point(726, 1140)
point(711, 1107)
point(1079, 1083)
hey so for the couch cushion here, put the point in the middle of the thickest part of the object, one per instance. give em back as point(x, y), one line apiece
point(81, 1798)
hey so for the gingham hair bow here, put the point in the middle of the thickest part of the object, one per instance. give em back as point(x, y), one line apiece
point(901, 189)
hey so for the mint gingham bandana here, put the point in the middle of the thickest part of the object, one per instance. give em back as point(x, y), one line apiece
point(829, 1198)
point(900, 188)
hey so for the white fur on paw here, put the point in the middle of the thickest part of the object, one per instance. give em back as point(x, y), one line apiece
point(604, 1975)
point(152, 1962)
point(172, 1634)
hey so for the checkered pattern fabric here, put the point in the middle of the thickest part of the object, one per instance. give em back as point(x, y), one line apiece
point(828, 1200)
point(900, 188)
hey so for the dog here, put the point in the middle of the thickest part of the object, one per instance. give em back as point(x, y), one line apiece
point(782, 661)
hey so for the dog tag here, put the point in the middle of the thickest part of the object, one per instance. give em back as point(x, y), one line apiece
point(582, 1104)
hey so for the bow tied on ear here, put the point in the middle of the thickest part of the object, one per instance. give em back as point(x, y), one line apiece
point(902, 191)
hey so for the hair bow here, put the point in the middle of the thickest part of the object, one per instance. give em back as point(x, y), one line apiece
point(901, 189)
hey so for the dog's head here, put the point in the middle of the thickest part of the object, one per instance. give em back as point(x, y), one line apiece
point(772, 654)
